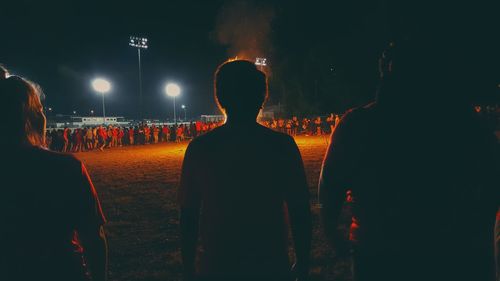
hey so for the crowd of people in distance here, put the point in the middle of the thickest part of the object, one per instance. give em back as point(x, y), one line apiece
point(101, 137)
point(306, 126)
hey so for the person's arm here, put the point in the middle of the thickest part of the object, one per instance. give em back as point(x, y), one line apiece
point(189, 202)
point(96, 252)
point(490, 154)
point(189, 236)
point(299, 211)
point(333, 183)
point(91, 231)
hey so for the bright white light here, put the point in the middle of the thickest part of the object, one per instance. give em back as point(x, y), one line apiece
point(138, 42)
point(261, 61)
point(183, 106)
point(172, 90)
point(101, 86)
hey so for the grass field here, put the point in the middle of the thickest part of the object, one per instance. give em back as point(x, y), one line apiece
point(137, 187)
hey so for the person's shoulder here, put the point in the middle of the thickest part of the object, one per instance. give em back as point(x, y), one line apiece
point(355, 120)
point(56, 158)
point(207, 138)
point(360, 111)
point(358, 114)
point(272, 133)
point(276, 137)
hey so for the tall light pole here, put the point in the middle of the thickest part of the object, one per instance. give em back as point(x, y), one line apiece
point(102, 86)
point(139, 43)
point(173, 90)
point(184, 107)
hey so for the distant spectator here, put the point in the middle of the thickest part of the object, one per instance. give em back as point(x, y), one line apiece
point(131, 133)
point(166, 133)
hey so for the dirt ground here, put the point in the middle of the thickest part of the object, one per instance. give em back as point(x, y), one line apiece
point(137, 187)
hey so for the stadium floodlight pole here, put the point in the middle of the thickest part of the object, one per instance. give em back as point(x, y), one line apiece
point(184, 107)
point(139, 43)
point(102, 86)
point(173, 90)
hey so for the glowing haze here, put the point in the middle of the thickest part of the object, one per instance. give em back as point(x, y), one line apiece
point(245, 28)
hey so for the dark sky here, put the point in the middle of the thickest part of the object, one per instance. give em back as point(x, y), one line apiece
point(63, 45)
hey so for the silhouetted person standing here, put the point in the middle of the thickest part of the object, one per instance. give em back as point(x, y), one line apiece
point(422, 175)
point(232, 186)
point(51, 220)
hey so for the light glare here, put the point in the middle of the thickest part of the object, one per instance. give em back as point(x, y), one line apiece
point(172, 90)
point(101, 85)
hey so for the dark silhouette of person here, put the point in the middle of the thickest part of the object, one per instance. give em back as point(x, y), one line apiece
point(243, 184)
point(420, 170)
point(52, 223)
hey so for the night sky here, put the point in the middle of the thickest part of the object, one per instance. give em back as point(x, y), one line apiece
point(63, 45)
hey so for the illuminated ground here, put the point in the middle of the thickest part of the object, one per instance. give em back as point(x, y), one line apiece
point(137, 186)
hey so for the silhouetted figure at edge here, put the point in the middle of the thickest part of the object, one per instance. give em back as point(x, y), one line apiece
point(51, 220)
point(247, 180)
point(421, 171)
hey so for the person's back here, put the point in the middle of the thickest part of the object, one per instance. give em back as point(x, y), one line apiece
point(51, 217)
point(41, 214)
point(419, 190)
point(236, 175)
point(243, 187)
point(424, 199)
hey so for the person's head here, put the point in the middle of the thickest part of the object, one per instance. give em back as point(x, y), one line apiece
point(22, 111)
point(413, 73)
point(430, 70)
point(240, 90)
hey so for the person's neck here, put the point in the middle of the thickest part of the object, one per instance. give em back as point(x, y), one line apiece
point(238, 121)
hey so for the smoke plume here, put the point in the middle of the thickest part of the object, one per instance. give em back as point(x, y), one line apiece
point(245, 28)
